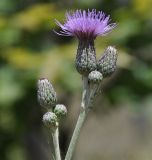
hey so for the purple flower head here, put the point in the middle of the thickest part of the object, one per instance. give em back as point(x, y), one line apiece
point(86, 24)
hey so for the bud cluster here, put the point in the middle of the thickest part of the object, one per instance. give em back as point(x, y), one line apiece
point(47, 98)
point(95, 71)
point(86, 59)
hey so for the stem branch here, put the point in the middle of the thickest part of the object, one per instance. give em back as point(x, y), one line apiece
point(81, 119)
point(55, 136)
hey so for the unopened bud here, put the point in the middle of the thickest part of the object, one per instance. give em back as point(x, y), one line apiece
point(50, 120)
point(46, 94)
point(60, 110)
point(95, 77)
point(107, 63)
point(86, 58)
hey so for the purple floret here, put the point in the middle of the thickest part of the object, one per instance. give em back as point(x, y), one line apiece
point(86, 24)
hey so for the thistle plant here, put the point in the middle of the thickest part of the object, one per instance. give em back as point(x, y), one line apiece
point(85, 26)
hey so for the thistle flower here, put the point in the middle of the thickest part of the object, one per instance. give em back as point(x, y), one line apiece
point(86, 26)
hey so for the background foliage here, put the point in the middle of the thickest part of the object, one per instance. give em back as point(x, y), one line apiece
point(29, 49)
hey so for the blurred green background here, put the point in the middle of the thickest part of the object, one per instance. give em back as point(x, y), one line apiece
point(120, 124)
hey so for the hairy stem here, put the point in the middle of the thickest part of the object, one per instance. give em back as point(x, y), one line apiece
point(81, 119)
point(55, 136)
point(93, 93)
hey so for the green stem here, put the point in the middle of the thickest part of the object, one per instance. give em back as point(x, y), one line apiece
point(55, 136)
point(81, 119)
point(93, 93)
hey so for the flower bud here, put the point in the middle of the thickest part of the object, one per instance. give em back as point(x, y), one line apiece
point(86, 57)
point(46, 94)
point(107, 63)
point(95, 77)
point(50, 120)
point(60, 110)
